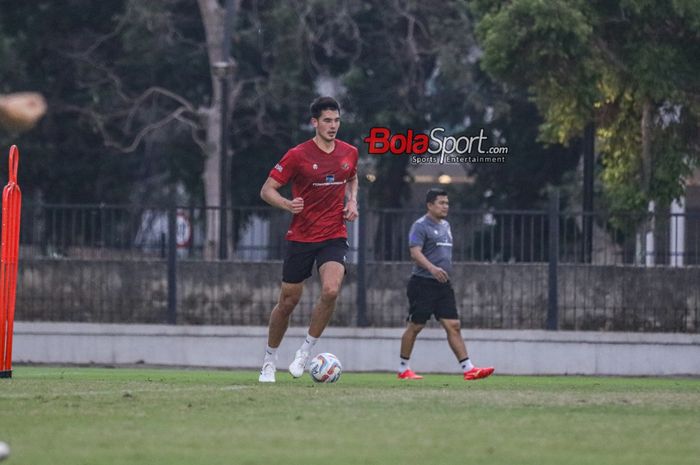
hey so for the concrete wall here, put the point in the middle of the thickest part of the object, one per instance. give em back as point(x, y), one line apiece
point(498, 296)
point(532, 352)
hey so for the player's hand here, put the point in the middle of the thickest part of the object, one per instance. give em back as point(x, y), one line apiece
point(350, 211)
point(439, 274)
point(296, 205)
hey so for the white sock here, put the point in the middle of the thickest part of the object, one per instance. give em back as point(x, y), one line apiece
point(403, 364)
point(309, 343)
point(466, 364)
point(270, 354)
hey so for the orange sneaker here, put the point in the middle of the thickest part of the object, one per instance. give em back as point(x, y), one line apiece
point(409, 374)
point(478, 373)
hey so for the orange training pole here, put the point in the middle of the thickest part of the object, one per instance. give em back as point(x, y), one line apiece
point(11, 208)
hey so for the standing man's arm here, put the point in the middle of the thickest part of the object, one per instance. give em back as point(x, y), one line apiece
point(350, 212)
point(270, 194)
point(421, 260)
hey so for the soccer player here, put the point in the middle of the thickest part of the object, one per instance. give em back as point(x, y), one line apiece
point(429, 288)
point(323, 173)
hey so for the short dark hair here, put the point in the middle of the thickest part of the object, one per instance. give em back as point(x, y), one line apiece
point(323, 103)
point(433, 194)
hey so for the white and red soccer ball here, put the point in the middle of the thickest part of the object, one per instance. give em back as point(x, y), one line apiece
point(325, 368)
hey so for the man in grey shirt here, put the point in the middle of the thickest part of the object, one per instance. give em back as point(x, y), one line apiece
point(429, 288)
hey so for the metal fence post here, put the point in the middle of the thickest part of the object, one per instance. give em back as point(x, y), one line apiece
point(588, 177)
point(172, 264)
point(362, 261)
point(552, 301)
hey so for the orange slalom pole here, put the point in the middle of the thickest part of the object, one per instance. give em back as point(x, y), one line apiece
point(11, 213)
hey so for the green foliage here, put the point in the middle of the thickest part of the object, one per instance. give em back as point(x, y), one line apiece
point(603, 61)
point(544, 46)
point(437, 81)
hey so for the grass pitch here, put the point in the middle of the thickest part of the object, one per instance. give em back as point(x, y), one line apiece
point(155, 416)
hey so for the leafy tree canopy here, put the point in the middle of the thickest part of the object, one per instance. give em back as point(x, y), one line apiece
point(629, 66)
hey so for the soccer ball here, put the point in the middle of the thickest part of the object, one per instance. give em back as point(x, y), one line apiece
point(325, 368)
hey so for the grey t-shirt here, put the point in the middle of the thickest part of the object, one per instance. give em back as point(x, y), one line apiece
point(435, 240)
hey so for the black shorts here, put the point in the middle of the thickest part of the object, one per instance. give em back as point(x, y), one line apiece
point(429, 296)
point(300, 257)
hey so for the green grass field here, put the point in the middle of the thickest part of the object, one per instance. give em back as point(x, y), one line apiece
point(155, 416)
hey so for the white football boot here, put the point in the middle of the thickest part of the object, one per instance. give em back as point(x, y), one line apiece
point(299, 364)
point(267, 374)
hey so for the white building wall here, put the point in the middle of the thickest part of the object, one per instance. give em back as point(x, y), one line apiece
point(361, 349)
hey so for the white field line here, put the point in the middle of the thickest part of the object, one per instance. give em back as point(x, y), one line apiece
point(108, 392)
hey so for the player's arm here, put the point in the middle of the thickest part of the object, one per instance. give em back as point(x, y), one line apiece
point(421, 260)
point(350, 212)
point(270, 194)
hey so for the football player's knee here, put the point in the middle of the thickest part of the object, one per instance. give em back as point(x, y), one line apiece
point(453, 326)
point(288, 302)
point(330, 292)
point(416, 328)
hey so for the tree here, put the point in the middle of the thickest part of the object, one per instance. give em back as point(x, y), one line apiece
point(97, 65)
point(629, 66)
point(134, 105)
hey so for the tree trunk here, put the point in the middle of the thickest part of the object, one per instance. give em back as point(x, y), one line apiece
point(213, 19)
point(211, 179)
point(645, 231)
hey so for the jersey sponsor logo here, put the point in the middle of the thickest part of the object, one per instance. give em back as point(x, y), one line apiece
point(444, 244)
point(332, 183)
point(279, 167)
point(315, 166)
point(329, 181)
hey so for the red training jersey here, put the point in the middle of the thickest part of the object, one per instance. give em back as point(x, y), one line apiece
point(319, 178)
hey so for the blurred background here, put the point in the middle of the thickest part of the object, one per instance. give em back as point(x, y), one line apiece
point(140, 184)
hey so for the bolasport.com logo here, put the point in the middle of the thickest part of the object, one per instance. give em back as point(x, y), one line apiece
point(435, 147)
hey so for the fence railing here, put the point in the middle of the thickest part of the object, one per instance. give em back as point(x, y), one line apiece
point(257, 234)
point(570, 282)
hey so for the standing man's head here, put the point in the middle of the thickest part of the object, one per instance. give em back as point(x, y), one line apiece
point(325, 117)
point(437, 203)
